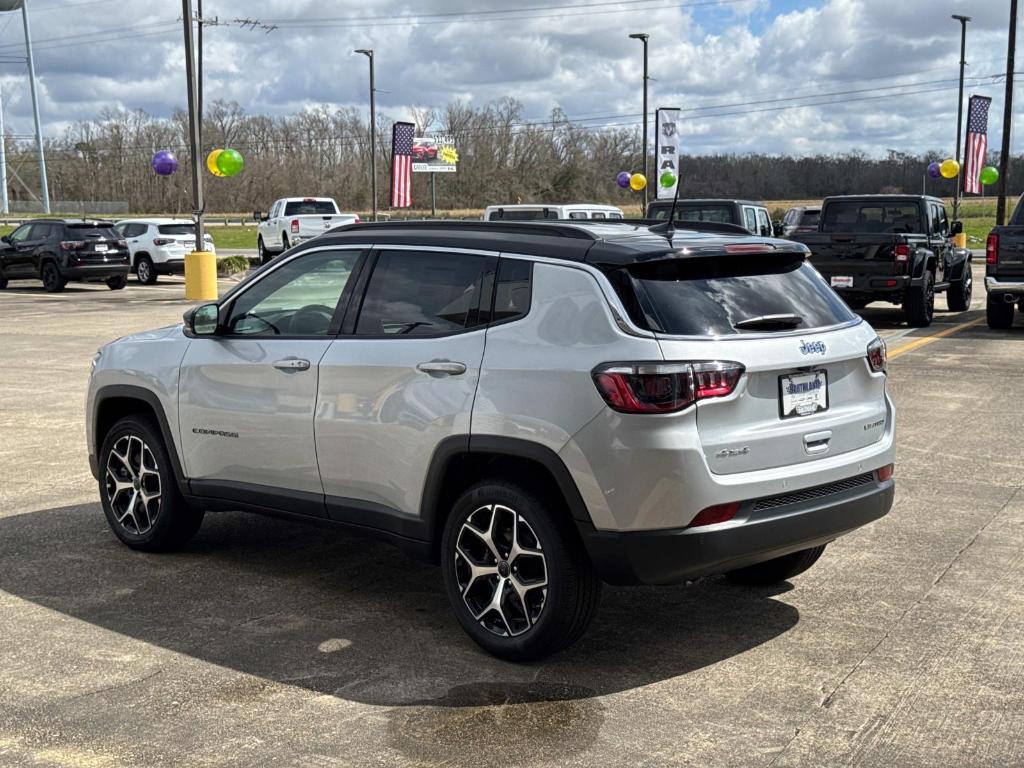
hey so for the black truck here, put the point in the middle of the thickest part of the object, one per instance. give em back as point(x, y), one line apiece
point(1004, 270)
point(894, 248)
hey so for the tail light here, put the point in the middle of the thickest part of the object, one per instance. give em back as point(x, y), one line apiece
point(992, 249)
point(885, 473)
point(902, 252)
point(121, 243)
point(295, 226)
point(719, 513)
point(71, 245)
point(664, 387)
point(358, 220)
point(877, 356)
point(162, 241)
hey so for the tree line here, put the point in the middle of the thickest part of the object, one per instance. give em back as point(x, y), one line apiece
point(503, 158)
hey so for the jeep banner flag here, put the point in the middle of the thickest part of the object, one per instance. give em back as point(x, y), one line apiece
point(434, 154)
point(666, 149)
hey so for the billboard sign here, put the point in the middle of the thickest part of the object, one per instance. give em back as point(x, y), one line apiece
point(666, 149)
point(434, 154)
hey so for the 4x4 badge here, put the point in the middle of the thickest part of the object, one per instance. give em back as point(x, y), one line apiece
point(812, 347)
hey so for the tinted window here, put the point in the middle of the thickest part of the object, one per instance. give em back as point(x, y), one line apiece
point(597, 215)
point(512, 295)
point(416, 294)
point(809, 218)
point(705, 297)
point(307, 207)
point(42, 231)
point(577, 215)
point(92, 232)
point(872, 217)
point(177, 229)
point(614, 215)
point(763, 222)
point(21, 233)
point(721, 214)
point(520, 214)
point(296, 299)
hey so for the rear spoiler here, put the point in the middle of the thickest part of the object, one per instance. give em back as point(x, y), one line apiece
point(696, 226)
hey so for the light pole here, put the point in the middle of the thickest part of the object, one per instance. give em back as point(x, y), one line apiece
point(643, 37)
point(1004, 154)
point(193, 123)
point(368, 53)
point(960, 106)
point(43, 186)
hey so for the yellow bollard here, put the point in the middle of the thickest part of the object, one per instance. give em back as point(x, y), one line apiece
point(200, 276)
point(960, 241)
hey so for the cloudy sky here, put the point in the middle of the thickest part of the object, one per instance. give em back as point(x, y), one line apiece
point(754, 75)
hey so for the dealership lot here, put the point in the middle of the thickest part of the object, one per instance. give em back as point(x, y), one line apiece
point(271, 642)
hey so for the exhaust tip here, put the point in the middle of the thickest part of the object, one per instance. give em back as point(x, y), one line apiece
point(1009, 298)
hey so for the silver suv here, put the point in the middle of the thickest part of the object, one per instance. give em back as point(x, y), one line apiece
point(539, 407)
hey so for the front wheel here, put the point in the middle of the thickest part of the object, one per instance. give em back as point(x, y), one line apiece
point(999, 313)
point(140, 497)
point(117, 282)
point(520, 584)
point(959, 293)
point(145, 271)
point(3, 280)
point(778, 569)
point(919, 304)
point(264, 254)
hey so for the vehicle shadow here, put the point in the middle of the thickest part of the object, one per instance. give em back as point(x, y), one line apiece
point(348, 617)
point(887, 317)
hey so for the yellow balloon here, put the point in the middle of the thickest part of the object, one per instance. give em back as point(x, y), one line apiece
point(949, 169)
point(211, 162)
point(637, 182)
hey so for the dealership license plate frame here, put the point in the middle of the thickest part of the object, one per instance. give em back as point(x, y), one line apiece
point(792, 411)
point(841, 281)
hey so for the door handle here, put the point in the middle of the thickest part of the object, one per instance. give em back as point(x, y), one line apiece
point(441, 368)
point(292, 364)
point(817, 442)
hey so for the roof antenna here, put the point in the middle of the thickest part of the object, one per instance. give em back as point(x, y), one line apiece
point(668, 229)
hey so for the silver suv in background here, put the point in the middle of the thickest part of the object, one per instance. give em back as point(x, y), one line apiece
point(538, 407)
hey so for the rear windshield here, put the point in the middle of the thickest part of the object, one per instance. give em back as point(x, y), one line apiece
point(721, 214)
point(177, 229)
point(310, 207)
point(520, 214)
point(872, 217)
point(707, 296)
point(92, 230)
point(809, 218)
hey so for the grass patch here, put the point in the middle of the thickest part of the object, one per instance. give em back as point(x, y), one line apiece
point(233, 237)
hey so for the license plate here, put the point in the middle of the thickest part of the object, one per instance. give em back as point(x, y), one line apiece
point(842, 281)
point(189, 243)
point(100, 247)
point(803, 394)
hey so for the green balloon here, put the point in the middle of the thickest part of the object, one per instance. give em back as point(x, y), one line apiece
point(989, 175)
point(230, 162)
point(667, 179)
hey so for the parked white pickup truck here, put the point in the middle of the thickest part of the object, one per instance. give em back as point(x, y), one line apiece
point(294, 219)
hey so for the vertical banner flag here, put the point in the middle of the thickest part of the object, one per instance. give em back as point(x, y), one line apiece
point(401, 164)
point(666, 149)
point(977, 143)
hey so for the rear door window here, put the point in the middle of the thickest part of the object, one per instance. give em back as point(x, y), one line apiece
point(708, 296)
point(750, 220)
point(764, 223)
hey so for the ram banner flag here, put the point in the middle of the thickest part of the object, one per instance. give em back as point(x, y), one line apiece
point(666, 149)
point(434, 154)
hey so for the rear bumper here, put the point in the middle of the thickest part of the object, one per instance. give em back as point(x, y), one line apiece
point(876, 285)
point(676, 555)
point(170, 267)
point(995, 285)
point(95, 271)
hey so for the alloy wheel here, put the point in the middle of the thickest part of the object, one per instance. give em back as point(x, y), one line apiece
point(133, 484)
point(501, 570)
point(143, 270)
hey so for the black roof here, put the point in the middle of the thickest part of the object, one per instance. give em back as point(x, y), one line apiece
point(58, 220)
point(601, 242)
point(915, 198)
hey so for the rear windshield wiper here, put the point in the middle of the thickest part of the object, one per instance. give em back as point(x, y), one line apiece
point(769, 322)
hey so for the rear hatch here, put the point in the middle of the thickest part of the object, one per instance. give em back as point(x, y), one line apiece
point(855, 255)
point(95, 243)
point(1009, 249)
point(807, 391)
point(182, 238)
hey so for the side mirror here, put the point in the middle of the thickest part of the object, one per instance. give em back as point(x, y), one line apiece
point(203, 320)
point(956, 227)
point(6, 239)
point(258, 216)
point(778, 227)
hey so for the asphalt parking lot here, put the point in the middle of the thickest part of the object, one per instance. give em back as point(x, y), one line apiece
point(272, 643)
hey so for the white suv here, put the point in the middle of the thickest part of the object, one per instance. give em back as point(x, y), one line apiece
point(535, 406)
point(158, 246)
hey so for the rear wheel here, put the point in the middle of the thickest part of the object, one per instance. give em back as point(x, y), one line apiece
point(144, 270)
point(117, 282)
point(919, 304)
point(959, 293)
point(999, 313)
point(285, 245)
point(53, 281)
point(520, 584)
point(778, 569)
point(138, 490)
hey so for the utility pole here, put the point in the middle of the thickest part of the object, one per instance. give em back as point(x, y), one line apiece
point(643, 37)
point(4, 205)
point(44, 189)
point(960, 106)
point(193, 124)
point(1004, 152)
point(368, 53)
point(199, 71)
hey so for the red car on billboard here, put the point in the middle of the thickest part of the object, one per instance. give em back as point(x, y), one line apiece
point(424, 151)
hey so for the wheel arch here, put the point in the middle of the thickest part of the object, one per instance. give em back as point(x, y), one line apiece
point(139, 255)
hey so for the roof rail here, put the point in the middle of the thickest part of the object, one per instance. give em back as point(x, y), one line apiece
point(552, 229)
point(696, 226)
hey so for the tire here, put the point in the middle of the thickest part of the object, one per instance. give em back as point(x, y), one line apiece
point(778, 569)
point(959, 293)
point(117, 282)
point(559, 589)
point(919, 304)
point(265, 255)
point(53, 280)
point(133, 459)
point(145, 271)
point(999, 313)
point(285, 245)
point(856, 304)
point(3, 280)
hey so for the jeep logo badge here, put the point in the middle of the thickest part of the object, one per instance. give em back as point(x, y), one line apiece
point(812, 347)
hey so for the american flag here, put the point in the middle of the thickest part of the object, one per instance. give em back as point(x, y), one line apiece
point(977, 142)
point(401, 165)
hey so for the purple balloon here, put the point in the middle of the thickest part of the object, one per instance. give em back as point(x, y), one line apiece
point(935, 170)
point(164, 162)
point(623, 179)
